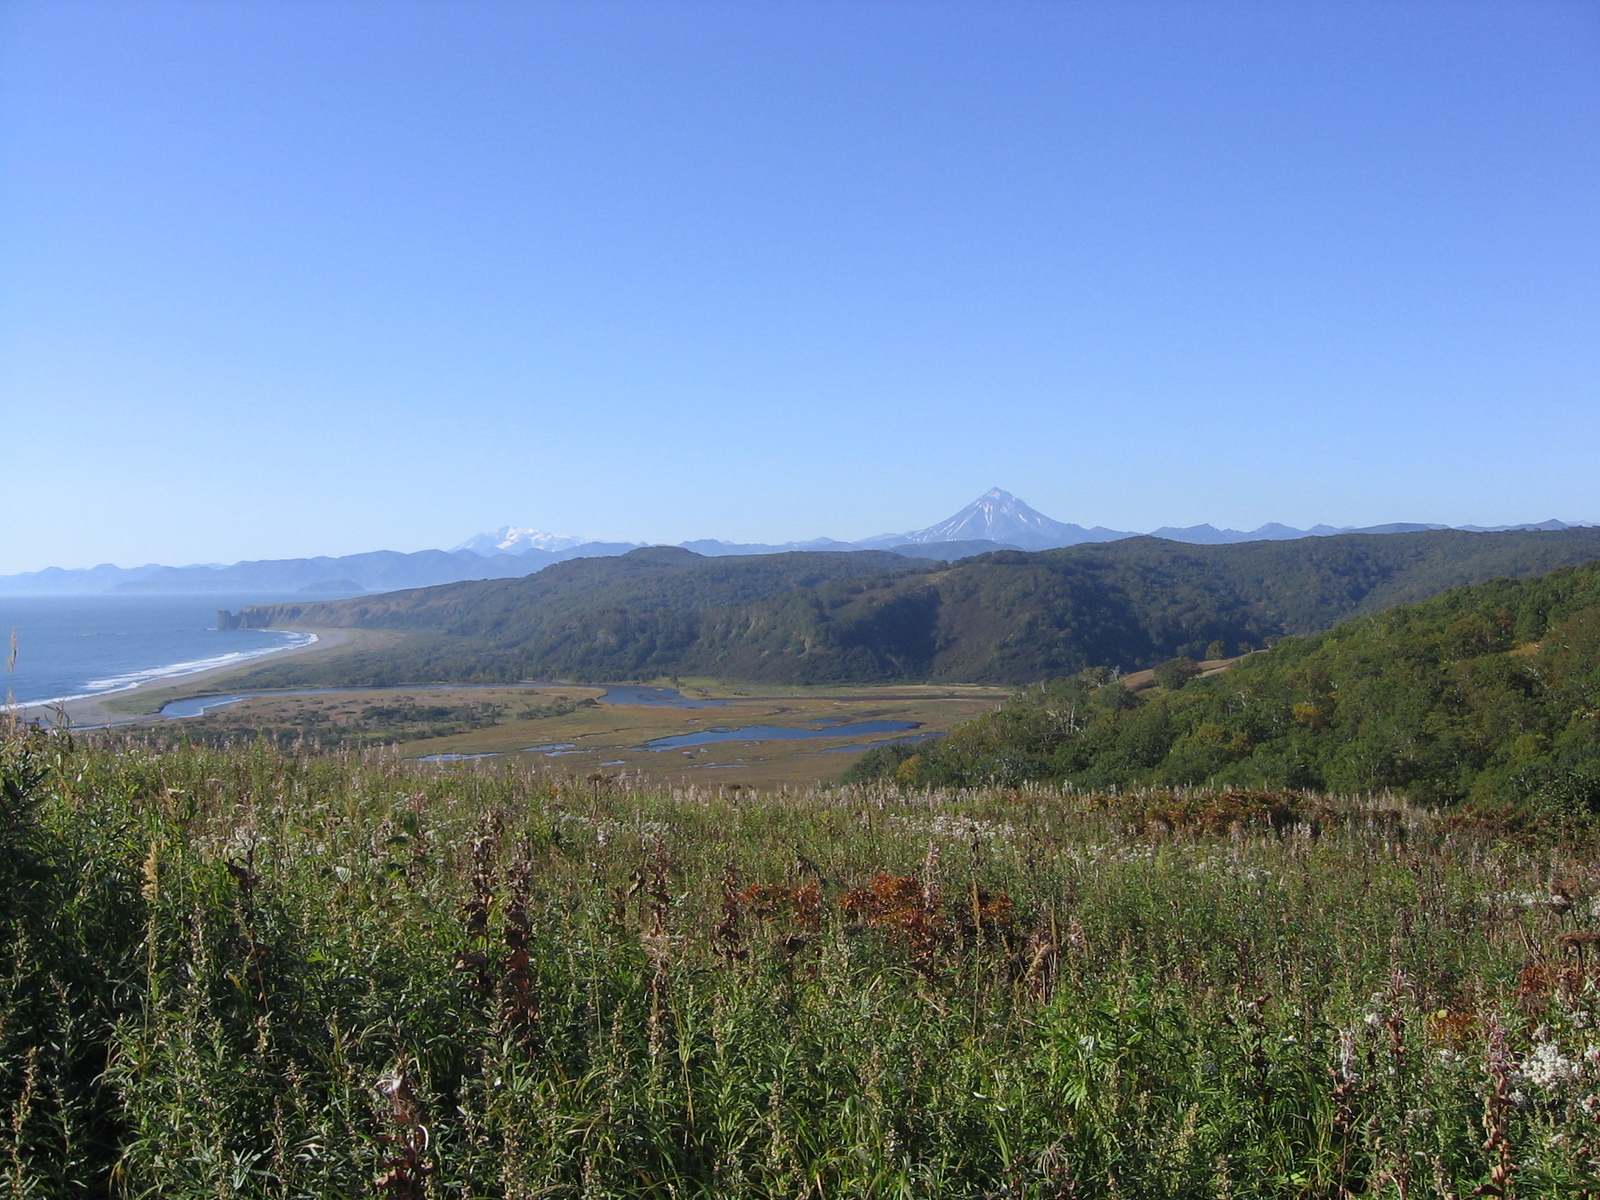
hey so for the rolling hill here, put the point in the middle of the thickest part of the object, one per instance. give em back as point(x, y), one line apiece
point(1006, 617)
point(1488, 693)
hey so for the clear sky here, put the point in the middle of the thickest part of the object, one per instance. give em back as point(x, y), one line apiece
point(284, 278)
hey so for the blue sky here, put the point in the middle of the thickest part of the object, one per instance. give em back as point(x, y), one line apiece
point(296, 278)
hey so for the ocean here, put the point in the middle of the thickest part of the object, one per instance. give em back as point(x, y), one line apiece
point(74, 646)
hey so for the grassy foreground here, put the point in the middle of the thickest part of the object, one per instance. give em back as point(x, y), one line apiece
point(244, 973)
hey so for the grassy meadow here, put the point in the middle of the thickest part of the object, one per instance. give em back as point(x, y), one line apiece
point(247, 972)
point(566, 727)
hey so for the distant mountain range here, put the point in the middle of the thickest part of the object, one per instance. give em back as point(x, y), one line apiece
point(996, 520)
point(350, 574)
point(513, 539)
point(866, 616)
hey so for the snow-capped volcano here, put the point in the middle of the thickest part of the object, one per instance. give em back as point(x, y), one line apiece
point(514, 539)
point(998, 516)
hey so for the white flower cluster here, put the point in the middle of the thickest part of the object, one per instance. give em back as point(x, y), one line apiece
point(1546, 1067)
point(1375, 1006)
point(605, 831)
point(1347, 1055)
point(1229, 864)
point(957, 829)
point(1098, 853)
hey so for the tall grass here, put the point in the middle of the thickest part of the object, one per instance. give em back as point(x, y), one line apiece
point(242, 972)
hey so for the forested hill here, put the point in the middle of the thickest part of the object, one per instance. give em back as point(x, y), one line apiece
point(1008, 617)
point(1489, 693)
point(652, 579)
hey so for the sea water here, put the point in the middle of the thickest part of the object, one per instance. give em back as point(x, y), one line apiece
point(74, 646)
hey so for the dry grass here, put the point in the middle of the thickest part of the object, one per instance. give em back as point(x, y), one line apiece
point(605, 737)
point(250, 973)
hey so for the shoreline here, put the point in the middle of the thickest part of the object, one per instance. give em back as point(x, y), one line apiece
point(89, 711)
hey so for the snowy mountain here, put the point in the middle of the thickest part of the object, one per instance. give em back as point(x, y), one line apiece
point(996, 520)
point(514, 539)
point(998, 516)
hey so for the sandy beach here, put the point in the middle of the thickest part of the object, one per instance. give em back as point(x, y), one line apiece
point(92, 712)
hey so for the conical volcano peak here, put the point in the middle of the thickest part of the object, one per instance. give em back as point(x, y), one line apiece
point(998, 516)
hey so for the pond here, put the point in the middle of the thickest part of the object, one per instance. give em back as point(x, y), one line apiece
point(777, 733)
point(198, 706)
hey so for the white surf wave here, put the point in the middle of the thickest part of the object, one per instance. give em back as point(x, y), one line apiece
point(132, 679)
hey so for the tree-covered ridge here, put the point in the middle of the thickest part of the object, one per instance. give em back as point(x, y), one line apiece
point(1489, 693)
point(1006, 617)
point(653, 579)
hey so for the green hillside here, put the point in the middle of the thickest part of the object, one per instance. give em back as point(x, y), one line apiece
point(1489, 693)
point(639, 615)
point(1007, 617)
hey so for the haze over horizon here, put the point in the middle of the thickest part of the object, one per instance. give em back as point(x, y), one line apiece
point(308, 279)
point(995, 519)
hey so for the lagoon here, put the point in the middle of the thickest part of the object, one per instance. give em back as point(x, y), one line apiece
point(778, 733)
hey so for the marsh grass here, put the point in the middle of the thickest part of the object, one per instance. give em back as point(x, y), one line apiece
point(249, 973)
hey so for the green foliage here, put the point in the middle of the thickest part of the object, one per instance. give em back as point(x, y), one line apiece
point(1006, 617)
point(276, 976)
point(334, 726)
point(1176, 672)
point(1489, 693)
point(69, 939)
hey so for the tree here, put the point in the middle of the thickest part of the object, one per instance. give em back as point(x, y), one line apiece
point(1176, 672)
point(1217, 649)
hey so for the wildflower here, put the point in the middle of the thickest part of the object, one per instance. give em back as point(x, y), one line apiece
point(957, 828)
point(1546, 1067)
point(1347, 1056)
